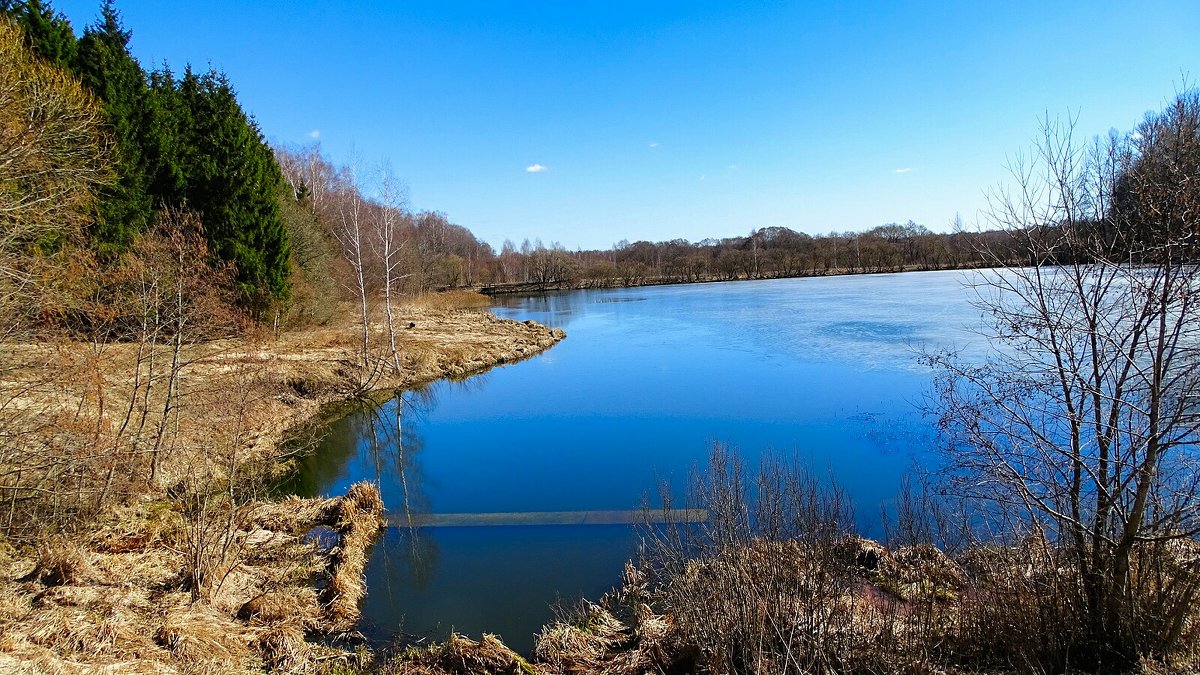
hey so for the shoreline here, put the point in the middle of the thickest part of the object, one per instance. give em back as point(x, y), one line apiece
point(534, 287)
point(111, 594)
point(446, 344)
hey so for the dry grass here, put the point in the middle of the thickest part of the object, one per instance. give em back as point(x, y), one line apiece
point(582, 643)
point(462, 656)
point(206, 640)
point(61, 560)
point(76, 603)
point(451, 300)
point(358, 519)
point(111, 594)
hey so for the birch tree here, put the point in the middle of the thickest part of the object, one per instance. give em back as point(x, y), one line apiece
point(389, 244)
point(352, 231)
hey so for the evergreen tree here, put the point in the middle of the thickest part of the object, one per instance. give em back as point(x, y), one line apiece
point(47, 33)
point(164, 137)
point(108, 69)
point(184, 143)
point(235, 184)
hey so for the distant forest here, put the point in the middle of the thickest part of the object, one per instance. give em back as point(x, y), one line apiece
point(767, 253)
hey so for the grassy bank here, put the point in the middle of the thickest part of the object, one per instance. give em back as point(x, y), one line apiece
point(137, 532)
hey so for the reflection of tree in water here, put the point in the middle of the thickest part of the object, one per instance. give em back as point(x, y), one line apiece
point(386, 438)
point(557, 310)
point(891, 432)
point(395, 451)
point(322, 454)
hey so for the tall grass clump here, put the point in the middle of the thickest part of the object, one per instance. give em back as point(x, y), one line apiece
point(763, 585)
point(455, 299)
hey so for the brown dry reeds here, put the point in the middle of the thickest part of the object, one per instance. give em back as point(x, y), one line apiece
point(460, 655)
point(61, 560)
point(201, 636)
point(356, 518)
point(100, 604)
point(458, 299)
point(359, 515)
point(583, 642)
point(294, 514)
point(283, 647)
point(291, 604)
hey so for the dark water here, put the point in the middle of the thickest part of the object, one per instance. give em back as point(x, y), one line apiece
point(646, 381)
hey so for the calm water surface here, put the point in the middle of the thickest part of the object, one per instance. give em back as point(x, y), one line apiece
point(646, 381)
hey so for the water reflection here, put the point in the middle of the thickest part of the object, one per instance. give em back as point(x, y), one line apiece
point(373, 442)
point(647, 380)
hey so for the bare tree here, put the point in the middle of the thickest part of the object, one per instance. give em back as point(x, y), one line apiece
point(311, 176)
point(53, 154)
point(352, 232)
point(1082, 425)
point(389, 245)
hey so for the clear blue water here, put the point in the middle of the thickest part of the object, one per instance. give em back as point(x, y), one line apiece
point(646, 381)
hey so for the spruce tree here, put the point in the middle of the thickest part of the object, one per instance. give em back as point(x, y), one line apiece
point(108, 69)
point(164, 138)
point(47, 33)
point(235, 184)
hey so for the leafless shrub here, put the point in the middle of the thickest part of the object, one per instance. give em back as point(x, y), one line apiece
point(760, 586)
point(86, 425)
point(1081, 427)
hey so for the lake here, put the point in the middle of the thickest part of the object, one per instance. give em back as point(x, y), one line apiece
point(646, 381)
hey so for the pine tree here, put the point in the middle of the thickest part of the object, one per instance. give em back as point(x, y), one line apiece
point(108, 69)
point(164, 137)
point(47, 33)
point(235, 184)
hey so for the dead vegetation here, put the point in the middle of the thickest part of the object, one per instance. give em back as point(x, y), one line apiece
point(90, 604)
point(777, 582)
point(460, 654)
point(135, 533)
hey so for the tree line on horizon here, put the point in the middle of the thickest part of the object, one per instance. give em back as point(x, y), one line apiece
point(438, 254)
point(141, 157)
point(764, 253)
point(138, 157)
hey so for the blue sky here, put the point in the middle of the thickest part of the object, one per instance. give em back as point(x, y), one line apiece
point(662, 120)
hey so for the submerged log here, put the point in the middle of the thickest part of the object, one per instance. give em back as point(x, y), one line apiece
point(546, 518)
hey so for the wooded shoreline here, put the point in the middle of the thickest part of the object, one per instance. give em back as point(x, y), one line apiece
point(529, 287)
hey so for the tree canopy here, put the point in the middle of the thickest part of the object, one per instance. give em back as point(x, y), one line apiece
point(174, 144)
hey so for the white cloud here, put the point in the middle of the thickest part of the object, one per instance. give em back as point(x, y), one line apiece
point(315, 133)
point(535, 168)
point(654, 144)
point(906, 169)
point(733, 167)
